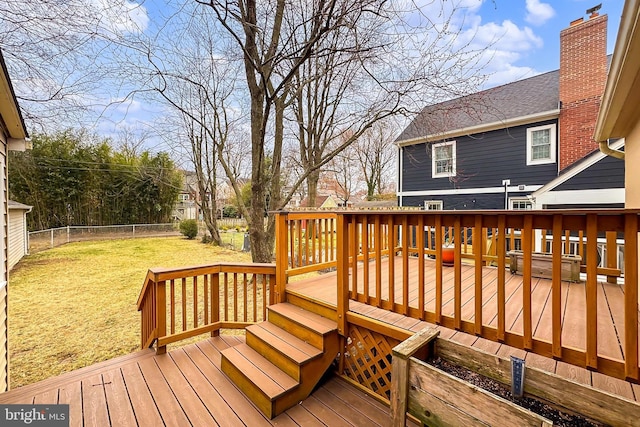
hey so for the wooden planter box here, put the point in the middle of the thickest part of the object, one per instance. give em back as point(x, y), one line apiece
point(541, 265)
point(437, 398)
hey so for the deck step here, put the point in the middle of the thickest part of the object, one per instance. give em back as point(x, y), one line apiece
point(259, 379)
point(305, 325)
point(283, 358)
point(285, 350)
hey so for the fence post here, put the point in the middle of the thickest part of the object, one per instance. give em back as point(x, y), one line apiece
point(342, 254)
point(68, 234)
point(51, 233)
point(134, 230)
point(161, 314)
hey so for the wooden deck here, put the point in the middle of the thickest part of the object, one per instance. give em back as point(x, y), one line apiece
point(186, 387)
point(610, 322)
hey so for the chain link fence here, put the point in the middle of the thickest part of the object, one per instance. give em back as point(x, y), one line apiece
point(50, 238)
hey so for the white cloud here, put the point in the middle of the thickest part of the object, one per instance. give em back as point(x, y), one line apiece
point(538, 13)
point(121, 16)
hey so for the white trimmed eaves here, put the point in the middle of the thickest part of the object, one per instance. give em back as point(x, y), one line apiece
point(585, 163)
point(484, 127)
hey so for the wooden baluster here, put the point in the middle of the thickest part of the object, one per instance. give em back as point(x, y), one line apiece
point(527, 250)
point(378, 249)
point(420, 244)
point(226, 296)
point(184, 304)
point(244, 296)
point(365, 263)
point(405, 264)
point(556, 288)
point(457, 273)
point(299, 232)
point(391, 244)
point(477, 248)
point(235, 297)
point(206, 299)
point(313, 241)
point(215, 301)
point(254, 280)
point(195, 301)
point(161, 313)
point(592, 290)
point(342, 304)
point(500, 237)
point(631, 297)
point(172, 298)
point(438, 248)
point(355, 250)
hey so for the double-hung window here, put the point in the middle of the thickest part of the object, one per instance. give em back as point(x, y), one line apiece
point(443, 157)
point(541, 145)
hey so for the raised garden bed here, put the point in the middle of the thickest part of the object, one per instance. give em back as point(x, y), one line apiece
point(441, 382)
point(541, 265)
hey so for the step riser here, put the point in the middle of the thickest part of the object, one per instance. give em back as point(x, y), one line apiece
point(253, 392)
point(296, 329)
point(273, 355)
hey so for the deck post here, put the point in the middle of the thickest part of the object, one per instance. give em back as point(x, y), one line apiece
point(282, 256)
point(343, 273)
point(161, 314)
point(402, 354)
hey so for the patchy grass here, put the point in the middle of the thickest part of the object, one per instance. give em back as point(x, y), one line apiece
point(75, 305)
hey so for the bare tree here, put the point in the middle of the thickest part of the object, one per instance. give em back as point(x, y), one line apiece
point(375, 154)
point(56, 54)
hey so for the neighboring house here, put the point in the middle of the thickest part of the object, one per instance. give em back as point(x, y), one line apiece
point(322, 202)
point(619, 115)
point(18, 233)
point(13, 136)
point(185, 207)
point(524, 145)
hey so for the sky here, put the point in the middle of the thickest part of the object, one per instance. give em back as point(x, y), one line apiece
point(530, 32)
point(523, 36)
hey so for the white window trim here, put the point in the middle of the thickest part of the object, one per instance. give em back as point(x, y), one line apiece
point(513, 200)
point(552, 145)
point(433, 160)
point(437, 203)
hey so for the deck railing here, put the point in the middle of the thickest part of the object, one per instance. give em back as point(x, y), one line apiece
point(495, 304)
point(180, 303)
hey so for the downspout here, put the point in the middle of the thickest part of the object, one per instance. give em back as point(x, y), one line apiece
point(604, 147)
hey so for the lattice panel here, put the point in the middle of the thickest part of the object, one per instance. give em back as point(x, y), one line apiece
point(367, 359)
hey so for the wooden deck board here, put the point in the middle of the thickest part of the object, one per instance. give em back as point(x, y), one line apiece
point(610, 313)
point(186, 387)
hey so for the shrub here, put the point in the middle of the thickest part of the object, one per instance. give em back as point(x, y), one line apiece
point(206, 238)
point(189, 228)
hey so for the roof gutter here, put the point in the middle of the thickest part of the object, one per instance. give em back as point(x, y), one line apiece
point(606, 149)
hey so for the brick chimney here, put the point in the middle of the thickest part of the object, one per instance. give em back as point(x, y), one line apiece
point(583, 74)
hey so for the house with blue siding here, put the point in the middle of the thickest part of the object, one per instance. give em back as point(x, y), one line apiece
point(524, 145)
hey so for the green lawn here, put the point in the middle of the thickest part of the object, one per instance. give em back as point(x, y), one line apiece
point(75, 305)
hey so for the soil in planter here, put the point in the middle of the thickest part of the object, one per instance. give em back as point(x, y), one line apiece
point(559, 418)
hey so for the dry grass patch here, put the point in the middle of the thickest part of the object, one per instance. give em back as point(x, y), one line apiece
point(75, 305)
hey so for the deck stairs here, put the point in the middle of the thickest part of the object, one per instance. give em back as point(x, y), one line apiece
point(283, 358)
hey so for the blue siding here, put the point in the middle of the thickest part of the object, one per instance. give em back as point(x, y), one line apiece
point(607, 173)
point(483, 160)
point(463, 201)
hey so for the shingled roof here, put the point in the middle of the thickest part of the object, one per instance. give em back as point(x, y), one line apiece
point(522, 98)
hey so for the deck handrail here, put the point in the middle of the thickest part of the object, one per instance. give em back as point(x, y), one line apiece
point(179, 303)
point(361, 281)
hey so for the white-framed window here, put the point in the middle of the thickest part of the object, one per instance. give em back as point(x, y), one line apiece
point(521, 204)
point(183, 197)
point(541, 145)
point(433, 205)
point(443, 159)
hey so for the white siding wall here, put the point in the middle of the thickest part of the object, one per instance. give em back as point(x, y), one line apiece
point(4, 275)
point(17, 236)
